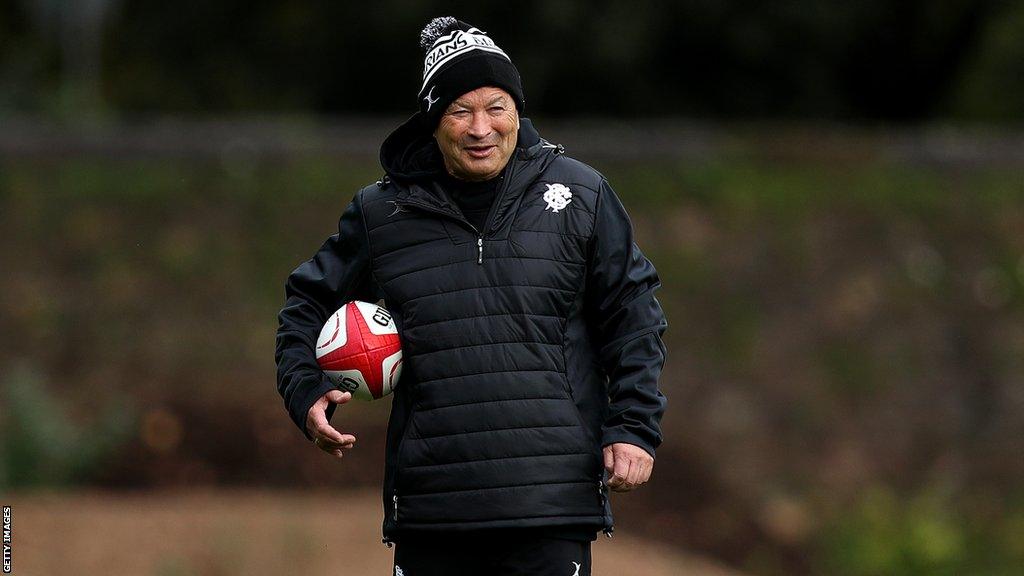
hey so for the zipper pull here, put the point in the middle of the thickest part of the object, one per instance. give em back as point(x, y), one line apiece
point(480, 249)
point(602, 491)
point(394, 498)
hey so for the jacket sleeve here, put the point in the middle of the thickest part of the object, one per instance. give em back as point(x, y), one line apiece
point(338, 273)
point(627, 323)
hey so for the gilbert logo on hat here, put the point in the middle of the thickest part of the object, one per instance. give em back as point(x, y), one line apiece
point(429, 98)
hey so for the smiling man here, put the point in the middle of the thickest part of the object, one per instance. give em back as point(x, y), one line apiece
point(529, 327)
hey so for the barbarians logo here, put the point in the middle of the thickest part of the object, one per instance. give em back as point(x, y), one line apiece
point(447, 48)
point(557, 196)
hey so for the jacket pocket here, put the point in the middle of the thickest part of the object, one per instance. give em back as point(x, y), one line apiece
point(399, 454)
point(571, 398)
point(400, 459)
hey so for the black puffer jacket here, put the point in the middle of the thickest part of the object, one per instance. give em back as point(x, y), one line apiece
point(527, 346)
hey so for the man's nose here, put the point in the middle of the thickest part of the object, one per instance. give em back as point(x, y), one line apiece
point(480, 125)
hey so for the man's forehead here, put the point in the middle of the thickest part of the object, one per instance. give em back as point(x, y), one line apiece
point(487, 95)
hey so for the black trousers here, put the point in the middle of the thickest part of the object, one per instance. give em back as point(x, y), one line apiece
point(485, 553)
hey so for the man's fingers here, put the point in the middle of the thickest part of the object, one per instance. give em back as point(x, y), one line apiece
point(334, 448)
point(330, 436)
point(619, 472)
point(347, 442)
point(621, 466)
point(641, 472)
point(631, 473)
point(325, 431)
point(338, 397)
point(628, 466)
point(645, 470)
point(316, 417)
point(327, 437)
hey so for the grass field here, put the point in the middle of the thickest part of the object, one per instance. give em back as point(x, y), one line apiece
point(222, 533)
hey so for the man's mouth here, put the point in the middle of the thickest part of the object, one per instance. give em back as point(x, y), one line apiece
point(480, 151)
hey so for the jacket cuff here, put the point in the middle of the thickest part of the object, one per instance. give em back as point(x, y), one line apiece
point(616, 435)
point(300, 405)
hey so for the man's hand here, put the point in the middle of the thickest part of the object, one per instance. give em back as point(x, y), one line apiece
point(628, 466)
point(325, 436)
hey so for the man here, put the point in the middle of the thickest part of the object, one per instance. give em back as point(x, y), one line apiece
point(531, 335)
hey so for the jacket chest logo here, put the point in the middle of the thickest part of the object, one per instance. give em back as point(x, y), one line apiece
point(557, 196)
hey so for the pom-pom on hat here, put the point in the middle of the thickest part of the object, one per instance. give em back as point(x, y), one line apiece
point(461, 58)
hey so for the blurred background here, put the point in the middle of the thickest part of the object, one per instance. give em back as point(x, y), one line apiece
point(832, 192)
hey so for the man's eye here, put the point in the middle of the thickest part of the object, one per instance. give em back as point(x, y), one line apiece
point(497, 108)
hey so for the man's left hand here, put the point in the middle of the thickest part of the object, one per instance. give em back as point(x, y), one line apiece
point(628, 466)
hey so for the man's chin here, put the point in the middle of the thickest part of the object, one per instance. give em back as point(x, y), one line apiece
point(480, 169)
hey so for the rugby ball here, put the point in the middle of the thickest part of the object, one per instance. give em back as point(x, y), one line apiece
point(359, 350)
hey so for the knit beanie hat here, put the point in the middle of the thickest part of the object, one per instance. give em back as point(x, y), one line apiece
point(461, 58)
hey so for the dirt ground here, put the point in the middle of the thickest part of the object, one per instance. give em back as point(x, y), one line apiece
point(224, 533)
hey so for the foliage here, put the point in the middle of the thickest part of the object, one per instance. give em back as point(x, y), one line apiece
point(42, 445)
point(928, 532)
point(871, 60)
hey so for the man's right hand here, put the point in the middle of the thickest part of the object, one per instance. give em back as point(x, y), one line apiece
point(325, 436)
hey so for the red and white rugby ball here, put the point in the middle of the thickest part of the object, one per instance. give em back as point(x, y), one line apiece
point(359, 350)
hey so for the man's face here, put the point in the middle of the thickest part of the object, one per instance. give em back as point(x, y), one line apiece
point(478, 133)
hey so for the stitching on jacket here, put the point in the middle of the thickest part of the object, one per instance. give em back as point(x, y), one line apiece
point(431, 267)
point(499, 458)
point(550, 232)
point(490, 522)
point(473, 260)
point(593, 228)
point(483, 523)
point(417, 245)
point(447, 292)
point(434, 266)
point(464, 433)
point(506, 487)
point(422, 382)
point(430, 408)
point(537, 258)
point(436, 350)
point(411, 326)
point(369, 247)
point(387, 223)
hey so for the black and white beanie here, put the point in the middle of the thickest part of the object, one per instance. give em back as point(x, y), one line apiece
point(461, 58)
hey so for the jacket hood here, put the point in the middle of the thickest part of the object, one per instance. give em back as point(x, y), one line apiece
point(411, 153)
